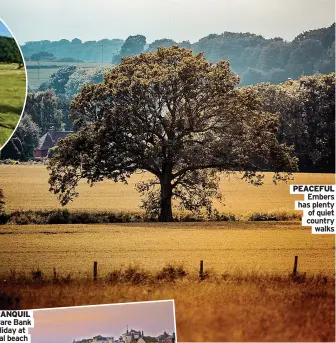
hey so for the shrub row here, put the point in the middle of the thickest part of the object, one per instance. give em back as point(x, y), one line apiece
point(132, 274)
point(135, 274)
point(64, 216)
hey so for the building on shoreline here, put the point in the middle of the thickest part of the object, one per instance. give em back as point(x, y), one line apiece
point(130, 336)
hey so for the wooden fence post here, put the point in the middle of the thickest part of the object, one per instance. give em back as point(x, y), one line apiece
point(201, 274)
point(95, 270)
point(295, 265)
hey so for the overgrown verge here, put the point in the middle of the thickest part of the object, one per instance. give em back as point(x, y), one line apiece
point(136, 275)
point(64, 216)
point(274, 216)
point(237, 307)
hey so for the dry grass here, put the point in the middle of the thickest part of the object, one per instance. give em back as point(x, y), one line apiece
point(224, 247)
point(18, 181)
point(248, 295)
point(246, 308)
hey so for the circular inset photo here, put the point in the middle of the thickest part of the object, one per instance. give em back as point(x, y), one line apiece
point(13, 84)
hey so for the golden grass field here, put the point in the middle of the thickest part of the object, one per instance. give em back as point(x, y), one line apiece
point(255, 300)
point(225, 247)
point(26, 187)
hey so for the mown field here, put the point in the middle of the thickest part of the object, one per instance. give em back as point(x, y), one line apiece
point(39, 72)
point(248, 294)
point(12, 98)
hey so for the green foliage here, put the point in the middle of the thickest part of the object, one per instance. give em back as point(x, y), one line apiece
point(175, 115)
point(327, 62)
point(44, 109)
point(83, 77)
point(76, 49)
point(9, 51)
point(12, 97)
point(306, 109)
point(326, 35)
point(23, 142)
point(166, 43)
point(69, 59)
point(305, 55)
point(42, 56)
point(13, 149)
point(272, 60)
point(133, 45)
point(257, 59)
point(28, 133)
point(98, 217)
point(58, 80)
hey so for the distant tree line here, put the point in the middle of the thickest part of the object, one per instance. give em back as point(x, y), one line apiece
point(257, 59)
point(76, 49)
point(50, 57)
point(254, 58)
point(9, 51)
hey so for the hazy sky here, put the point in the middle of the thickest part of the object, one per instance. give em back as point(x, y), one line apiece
point(176, 19)
point(64, 325)
point(3, 30)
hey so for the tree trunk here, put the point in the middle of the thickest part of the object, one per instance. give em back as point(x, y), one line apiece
point(166, 212)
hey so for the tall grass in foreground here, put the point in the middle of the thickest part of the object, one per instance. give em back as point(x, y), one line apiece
point(230, 307)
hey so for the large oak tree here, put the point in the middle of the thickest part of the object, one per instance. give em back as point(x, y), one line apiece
point(175, 115)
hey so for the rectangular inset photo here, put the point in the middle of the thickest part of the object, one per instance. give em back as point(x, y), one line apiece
point(138, 322)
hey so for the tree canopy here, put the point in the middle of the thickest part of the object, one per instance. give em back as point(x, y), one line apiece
point(306, 109)
point(76, 49)
point(81, 77)
point(9, 51)
point(58, 79)
point(42, 56)
point(177, 116)
point(44, 110)
point(23, 142)
point(133, 45)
